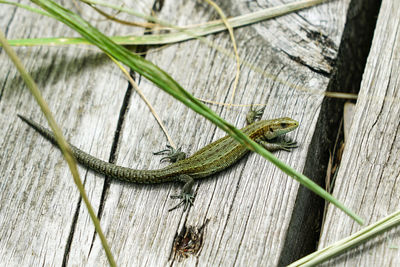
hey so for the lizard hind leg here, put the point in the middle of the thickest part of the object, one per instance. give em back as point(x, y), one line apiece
point(186, 194)
point(172, 154)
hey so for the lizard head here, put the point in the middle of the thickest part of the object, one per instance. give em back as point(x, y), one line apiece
point(276, 127)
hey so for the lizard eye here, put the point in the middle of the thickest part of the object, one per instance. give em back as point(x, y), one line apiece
point(284, 125)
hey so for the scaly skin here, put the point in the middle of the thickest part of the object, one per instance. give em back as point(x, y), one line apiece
point(211, 159)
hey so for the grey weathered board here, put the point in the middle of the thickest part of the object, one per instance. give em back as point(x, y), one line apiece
point(249, 207)
point(369, 174)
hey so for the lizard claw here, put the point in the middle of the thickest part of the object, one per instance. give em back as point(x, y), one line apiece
point(287, 145)
point(173, 155)
point(187, 200)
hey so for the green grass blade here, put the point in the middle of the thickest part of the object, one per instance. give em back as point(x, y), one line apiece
point(183, 34)
point(349, 242)
point(165, 82)
point(32, 9)
point(64, 147)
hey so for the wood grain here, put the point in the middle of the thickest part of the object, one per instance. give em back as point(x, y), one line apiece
point(286, 65)
point(85, 91)
point(369, 173)
point(249, 206)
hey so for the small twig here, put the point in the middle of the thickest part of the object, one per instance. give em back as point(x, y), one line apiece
point(136, 87)
point(125, 22)
point(230, 30)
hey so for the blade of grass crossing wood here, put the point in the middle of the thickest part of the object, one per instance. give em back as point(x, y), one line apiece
point(165, 82)
point(183, 34)
point(64, 147)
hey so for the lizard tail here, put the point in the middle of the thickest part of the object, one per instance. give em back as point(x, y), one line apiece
point(39, 128)
point(100, 166)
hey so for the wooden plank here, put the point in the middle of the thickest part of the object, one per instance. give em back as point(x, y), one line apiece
point(249, 207)
point(85, 91)
point(287, 62)
point(369, 174)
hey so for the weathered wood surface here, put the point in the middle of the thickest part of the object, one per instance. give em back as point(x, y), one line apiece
point(368, 178)
point(38, 199)
point(249, 207)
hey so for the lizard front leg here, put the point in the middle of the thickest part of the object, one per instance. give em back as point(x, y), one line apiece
point(254, 114)
point(274, 146)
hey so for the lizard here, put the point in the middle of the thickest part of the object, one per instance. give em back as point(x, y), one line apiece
point(207, 161)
